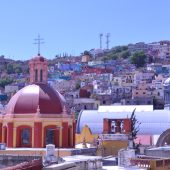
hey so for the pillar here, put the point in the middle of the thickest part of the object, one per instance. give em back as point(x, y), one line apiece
point(106, 126)
point(37, 134)
point(64, 134)
point(10, 135)
point(74, 133)
point(4, 137)
point(127, 126)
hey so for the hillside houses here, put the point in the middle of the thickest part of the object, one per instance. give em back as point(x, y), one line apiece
point(108, 76)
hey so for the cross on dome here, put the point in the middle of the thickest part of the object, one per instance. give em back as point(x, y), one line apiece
point(39, 41)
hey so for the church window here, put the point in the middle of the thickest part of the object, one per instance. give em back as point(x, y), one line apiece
point(49, 136)
point(25, 136)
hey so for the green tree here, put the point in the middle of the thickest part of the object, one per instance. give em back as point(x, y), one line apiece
point(5, 81)
point(105, 59)
point(134, 127)
point(138, 58)
point(10, 68)
point(17, 68)
point(125, 54)
point(115, 56)
point(86, 52)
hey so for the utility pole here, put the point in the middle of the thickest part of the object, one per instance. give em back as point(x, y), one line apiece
point(100, 36)
point(107, 40)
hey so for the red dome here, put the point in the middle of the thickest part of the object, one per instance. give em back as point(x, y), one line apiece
point(28, 99)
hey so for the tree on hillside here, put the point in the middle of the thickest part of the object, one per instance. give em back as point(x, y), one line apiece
point(10, 68)
point(138, 58)
point(119, 49)
point(17, 68)
point(86, 52)
point(5, 81)
point(125, 54)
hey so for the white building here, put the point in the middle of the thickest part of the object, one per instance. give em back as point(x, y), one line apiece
point(153, 122)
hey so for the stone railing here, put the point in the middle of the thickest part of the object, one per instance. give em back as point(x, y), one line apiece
point(151, 163)
point(121, 137)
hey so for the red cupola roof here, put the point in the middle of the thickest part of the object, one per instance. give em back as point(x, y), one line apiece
point(37, 96)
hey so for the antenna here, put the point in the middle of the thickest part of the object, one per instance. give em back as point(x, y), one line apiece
point(100, 36)
point(38, 41)
point(107, 40)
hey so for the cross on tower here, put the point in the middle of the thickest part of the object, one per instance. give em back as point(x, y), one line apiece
point(39, 41)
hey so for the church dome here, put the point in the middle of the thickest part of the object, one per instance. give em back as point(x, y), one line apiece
point(37, 96)
point(167, 82)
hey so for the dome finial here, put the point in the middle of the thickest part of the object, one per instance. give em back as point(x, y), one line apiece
point(38, 110)
point(64, 110)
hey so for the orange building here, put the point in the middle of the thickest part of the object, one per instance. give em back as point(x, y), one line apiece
point(37, 115)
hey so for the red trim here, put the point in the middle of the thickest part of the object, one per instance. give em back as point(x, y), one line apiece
point(5, 134)
point(0, 132)
point(74, 131)
point(10, 134)
point(37, 134)
point(18, 137)
point(56, 135)
point(69, 136)
point(65, 134)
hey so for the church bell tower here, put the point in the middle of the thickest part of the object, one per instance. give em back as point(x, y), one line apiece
point(38, 70)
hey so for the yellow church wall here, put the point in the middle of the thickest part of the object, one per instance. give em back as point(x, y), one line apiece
point(14, 137)
point(3, 136)
point(41, 152)
point(107, 147)
point(111, 147)
point(85, 135)
point(29, 120)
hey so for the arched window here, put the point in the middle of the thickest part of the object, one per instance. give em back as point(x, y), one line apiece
point(36, 75)
point(25, 137)
point(49, 136)
point(41, 75)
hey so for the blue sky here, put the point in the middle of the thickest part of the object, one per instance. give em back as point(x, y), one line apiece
point(73, 26)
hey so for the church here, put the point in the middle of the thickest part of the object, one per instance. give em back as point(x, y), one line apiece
point(37, 114)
